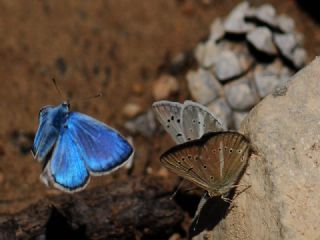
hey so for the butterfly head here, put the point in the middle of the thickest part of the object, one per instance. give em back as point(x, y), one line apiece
point(64, 107)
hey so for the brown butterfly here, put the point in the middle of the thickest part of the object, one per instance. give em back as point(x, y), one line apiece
point(214, 162)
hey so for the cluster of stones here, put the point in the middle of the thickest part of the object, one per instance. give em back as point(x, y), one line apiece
point(246, 56)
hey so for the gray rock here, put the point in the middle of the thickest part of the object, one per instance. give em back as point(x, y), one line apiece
point(288, 45)
point(144, 124)
point(227, 66)
point(238, 117)
point(240, 94)
point(268, 76)
point(203, 86)
point(206, 53)
point(216, 30)
point(235, 23)
point(222, 111)
point(282, 201)
point(265, 80)
point(233, 61)
point(299, 57)
point(261, 39)
point(285, 23)
point(265, 14)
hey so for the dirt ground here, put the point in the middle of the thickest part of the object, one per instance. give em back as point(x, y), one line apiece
point(115, 47)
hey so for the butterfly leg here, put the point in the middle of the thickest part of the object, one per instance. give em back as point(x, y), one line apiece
point(202, 202)
point(245, 187)
point(33, 155)
point(226, 199)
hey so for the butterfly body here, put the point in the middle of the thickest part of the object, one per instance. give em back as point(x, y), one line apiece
point(72, 146)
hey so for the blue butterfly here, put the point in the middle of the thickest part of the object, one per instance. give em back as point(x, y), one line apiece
point(72, 146)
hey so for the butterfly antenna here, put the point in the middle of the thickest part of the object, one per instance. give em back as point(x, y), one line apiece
point(57, 87)
point(88, 98)
point(177, 189)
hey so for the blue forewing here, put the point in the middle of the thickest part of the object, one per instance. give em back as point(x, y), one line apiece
point(72, 146)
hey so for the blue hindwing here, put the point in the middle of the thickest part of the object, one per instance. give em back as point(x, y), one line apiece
point(103, 148)
point(67, 167)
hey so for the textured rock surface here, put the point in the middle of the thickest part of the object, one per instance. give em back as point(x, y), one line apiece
point(284, 175)
point(261, 39)
point(240, 94)
point(235, 23)
point(251, 42)
point(204, 87)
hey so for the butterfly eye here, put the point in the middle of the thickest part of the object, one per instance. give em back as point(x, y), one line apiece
point(211, 177)
point(239, 151)
point(179, 162)
point(178, 120)
point(230, 150)
point(182, 158)
point(168, 120)
point(204, 166)
point(220, 149)
point(225, 148)
point(43, 111)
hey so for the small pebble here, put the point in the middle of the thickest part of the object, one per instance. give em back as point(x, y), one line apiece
point(299, 57)
point(240, 95)
point(149, 170)
point(261, 39)
point(222, 111)
point(163, 172)
point(285, 23)
point(203, 86)
point(238, 118)
point(164, 87)
point(131, 110)
point(175, 236)
point(143, 124)
point(235, 23)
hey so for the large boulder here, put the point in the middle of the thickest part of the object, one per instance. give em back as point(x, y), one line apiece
point(283, 200)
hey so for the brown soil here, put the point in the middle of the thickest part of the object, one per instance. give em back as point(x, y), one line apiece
point(114, 47)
